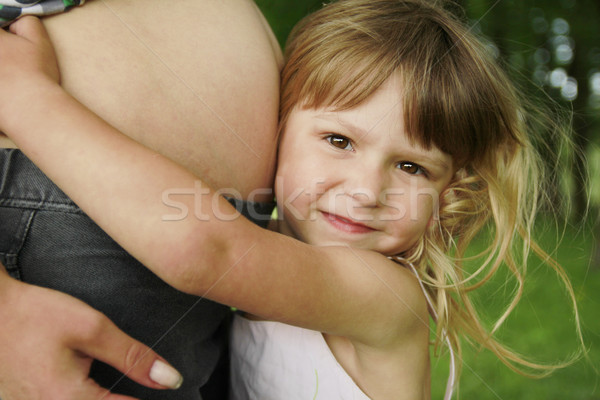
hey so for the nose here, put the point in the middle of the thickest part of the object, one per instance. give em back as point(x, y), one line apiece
point(366, 184)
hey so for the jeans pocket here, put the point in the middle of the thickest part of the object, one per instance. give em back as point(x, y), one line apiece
point(14, 226)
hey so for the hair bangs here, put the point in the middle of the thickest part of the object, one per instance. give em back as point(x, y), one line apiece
point(448, 101)
point(357, 79)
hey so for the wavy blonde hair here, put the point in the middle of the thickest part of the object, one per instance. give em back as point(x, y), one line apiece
point(458, 99)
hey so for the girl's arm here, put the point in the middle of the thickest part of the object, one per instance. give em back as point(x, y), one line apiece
point(121, 185)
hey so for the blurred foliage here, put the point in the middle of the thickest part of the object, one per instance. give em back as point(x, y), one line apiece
point(553, 46)
point(284, 14)
point(552, 50)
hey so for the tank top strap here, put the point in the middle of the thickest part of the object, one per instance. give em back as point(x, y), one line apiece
point(452, 374)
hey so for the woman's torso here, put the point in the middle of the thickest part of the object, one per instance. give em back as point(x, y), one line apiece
point(194, 80)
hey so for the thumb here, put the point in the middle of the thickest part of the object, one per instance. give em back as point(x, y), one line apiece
point(136, 360)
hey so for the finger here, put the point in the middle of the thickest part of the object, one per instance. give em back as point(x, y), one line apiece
point(30, 28)
point(133, 358)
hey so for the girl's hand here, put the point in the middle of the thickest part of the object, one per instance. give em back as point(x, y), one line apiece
point(28, 67)
point(26, 53)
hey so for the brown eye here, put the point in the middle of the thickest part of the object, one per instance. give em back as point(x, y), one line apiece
point(341, 142)
point(411, 168)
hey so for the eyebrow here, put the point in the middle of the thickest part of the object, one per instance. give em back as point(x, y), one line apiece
point(436, 162)
point(335, 117)
point(417, 148)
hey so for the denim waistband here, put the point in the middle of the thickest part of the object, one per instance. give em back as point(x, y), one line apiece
point(24, 185)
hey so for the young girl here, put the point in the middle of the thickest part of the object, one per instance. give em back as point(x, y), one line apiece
point(400, 140)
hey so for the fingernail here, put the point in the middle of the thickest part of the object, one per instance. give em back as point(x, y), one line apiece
point(165, 375)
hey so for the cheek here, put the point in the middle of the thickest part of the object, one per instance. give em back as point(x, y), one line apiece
point(411, 207)
point(426, 203)
point(298, 180)
point(410, 216)
point(406, 234)
point(293, 196)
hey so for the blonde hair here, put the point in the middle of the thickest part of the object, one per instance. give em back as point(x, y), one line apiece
point(457, 99)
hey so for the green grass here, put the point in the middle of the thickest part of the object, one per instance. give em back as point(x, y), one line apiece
point(542, 327)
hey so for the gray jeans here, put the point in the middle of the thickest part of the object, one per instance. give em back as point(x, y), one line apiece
point(46, 240)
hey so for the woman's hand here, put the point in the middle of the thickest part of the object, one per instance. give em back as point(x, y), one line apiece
point(49, 340)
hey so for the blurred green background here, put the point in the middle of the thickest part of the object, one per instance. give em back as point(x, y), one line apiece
point(552, 48)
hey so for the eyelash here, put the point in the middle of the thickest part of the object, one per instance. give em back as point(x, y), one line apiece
point(339, 138)
point(420, 170)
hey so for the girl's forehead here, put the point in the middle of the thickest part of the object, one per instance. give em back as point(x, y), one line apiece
point(383, 107)
point(386, 97)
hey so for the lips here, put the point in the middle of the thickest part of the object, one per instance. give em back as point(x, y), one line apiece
point(346, 225)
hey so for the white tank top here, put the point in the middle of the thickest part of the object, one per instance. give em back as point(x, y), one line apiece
point(274, 361)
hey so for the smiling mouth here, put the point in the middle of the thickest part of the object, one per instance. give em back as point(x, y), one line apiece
point(345, 224)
